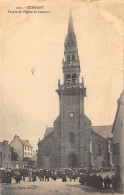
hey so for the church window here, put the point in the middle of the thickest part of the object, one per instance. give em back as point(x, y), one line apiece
point(73, 57)
point(74, 78)
point(47, 150)
point(99, 150)
point(71, 137)
point(68, 78)
point(116, 149)
point(68, 58)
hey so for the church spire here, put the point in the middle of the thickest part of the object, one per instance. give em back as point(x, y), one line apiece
point(70, 25)
point(71, 63)
point(70, 40)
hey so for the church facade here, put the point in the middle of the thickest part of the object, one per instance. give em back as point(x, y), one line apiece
point(72, 142)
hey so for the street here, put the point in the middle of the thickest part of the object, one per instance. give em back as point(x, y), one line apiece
point(49, 188)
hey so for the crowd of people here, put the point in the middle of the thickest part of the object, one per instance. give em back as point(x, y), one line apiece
point(102, 178)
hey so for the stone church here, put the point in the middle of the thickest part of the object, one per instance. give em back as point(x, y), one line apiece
point(73, 141)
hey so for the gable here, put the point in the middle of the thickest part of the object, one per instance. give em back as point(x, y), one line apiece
point(104, 131)
point(48, 131)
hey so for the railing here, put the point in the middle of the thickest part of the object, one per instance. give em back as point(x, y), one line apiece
point(71, 86)
point(75, 63)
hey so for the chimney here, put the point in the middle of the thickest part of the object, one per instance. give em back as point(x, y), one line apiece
point(5, 142)
point(16, 136)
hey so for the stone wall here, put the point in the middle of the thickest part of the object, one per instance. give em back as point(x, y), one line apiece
point(5, 157)
point(47, 152)
point(100, 150)
point(17, 146)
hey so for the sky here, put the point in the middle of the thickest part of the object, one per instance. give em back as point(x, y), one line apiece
point(36, 41)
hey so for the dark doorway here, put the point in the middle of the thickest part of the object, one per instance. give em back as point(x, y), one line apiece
point(72, 160)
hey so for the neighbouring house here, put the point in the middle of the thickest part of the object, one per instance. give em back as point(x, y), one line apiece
point(22, 148)
point(30, 161)
point(117, 130)
point(118, 142)
point(5, 154)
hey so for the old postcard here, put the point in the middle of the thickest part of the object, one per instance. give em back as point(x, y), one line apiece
point(61, 97)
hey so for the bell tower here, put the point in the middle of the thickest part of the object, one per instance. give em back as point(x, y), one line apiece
point(71, 102)
point(71, 63)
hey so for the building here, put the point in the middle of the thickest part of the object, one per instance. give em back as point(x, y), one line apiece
point(72, 142)
point(117, 130)
point(118, 135)
point(30, 161)
point(5, 155)
point(22, 147)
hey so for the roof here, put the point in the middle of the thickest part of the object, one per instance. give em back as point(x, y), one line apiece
point(48, 131)
point(120, 101)
point(2, 144)
point(33, 158)
point(26, 159)
point(94, 133)
point(29, 159)
point(104, 131)
point(25, 143)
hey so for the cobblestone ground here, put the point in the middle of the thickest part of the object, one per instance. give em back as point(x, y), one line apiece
point(49, 188)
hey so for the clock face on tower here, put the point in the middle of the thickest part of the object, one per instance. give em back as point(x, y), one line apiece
point(71, 114)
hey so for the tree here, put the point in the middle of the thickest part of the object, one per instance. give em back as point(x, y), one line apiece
point(14, 155)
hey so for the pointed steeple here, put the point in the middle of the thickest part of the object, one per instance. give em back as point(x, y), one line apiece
point(70, 25)
point(70, 40)
point(71, 62)
point(71, 66)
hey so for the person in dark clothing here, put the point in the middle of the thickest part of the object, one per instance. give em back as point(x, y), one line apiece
point(113, 183)
point(64, 177)
point(74, 176)
point(70, 175)
point(17, 177)
point(41, 175)
point(34, 176)
point(47, 175)
point(100, 182)
point(81, 179)
point(107, 182)
point(8, 177)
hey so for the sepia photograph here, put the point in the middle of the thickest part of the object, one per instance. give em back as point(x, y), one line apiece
point(61, 97)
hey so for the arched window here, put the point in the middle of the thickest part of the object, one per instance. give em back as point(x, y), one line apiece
point(68, 58)
point(47, 150)
point(71, 139)
point(99, 149)
point(74, 78)
point(68, 78)
point(73, 57)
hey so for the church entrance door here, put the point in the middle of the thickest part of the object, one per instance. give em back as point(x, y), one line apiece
point(72, 160)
